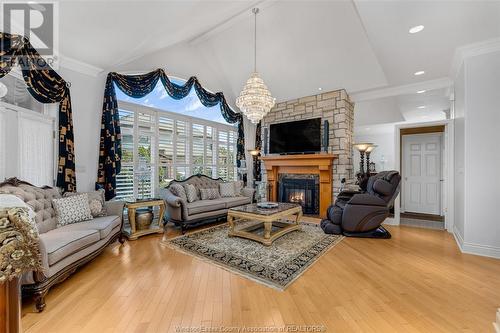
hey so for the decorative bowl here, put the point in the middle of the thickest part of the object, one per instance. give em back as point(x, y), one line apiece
point(267, 204)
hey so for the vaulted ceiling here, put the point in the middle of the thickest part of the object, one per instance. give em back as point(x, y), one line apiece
point(302, 45)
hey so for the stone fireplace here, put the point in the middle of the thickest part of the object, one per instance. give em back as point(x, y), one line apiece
point(334, 107)
point(300, 189)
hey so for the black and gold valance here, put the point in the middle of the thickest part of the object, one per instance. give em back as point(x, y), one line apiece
point(138, 86)
point(46, 86)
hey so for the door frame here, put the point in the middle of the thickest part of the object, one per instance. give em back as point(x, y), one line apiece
point(448, 172)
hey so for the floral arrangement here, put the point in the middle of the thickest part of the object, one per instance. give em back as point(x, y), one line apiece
point(19, 252)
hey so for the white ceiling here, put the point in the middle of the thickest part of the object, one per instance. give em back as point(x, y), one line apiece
point(302, 45)
point(106, 33)
point(373, 115)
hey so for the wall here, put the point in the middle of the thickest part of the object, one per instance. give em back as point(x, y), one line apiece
point(334, 106)
point(482, 159)
point(385, 148)
point(459, 155)
point(477, 158)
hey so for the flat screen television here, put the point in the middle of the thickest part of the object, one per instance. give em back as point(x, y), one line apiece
point(303, 136)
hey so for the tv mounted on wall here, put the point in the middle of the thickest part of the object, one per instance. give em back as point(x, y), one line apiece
point(296, 137)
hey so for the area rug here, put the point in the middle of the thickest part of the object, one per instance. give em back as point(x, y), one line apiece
point(275, 266)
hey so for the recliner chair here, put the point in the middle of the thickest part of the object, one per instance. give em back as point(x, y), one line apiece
point(360, 214)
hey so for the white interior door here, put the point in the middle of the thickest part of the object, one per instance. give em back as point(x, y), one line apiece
point(422, 173)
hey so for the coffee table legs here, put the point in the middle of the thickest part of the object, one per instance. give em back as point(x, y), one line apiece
point(230, 220)
point(268, 226)
point(267, 238)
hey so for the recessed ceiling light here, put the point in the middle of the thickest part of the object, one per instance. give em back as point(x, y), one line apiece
point(421, 107)
point(415, 29)
point(421, 91)
point(419, 73)
point(320, 89)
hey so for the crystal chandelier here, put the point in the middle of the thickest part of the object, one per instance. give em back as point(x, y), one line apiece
point(255, 100)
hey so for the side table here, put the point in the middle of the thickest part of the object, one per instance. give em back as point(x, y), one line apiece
point(156, 227)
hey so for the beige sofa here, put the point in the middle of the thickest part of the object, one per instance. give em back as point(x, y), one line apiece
point(66, 248)
point(190, 214)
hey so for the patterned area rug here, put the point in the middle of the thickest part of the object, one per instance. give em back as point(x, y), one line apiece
point(275, 266)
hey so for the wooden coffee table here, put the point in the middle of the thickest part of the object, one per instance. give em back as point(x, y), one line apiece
point(270, 222)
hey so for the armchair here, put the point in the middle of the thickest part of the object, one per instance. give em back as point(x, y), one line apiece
point(360, 214)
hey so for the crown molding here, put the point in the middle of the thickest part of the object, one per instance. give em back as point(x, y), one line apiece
point(472, 50)
point(412, 88)
point(79, 66)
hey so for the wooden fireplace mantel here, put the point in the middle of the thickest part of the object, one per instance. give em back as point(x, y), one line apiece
point(317, 164)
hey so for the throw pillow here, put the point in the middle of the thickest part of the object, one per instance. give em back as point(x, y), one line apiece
point(191, 192)
point(209, 193)
point(178, 191)
point(96, 201)
point(72, 209)
point(227, 190)
point(238, 186)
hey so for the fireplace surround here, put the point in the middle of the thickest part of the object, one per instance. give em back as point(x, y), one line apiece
point(319, 165)
point(300, 189)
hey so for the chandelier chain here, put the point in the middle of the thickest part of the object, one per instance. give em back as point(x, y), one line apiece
point(255, 11)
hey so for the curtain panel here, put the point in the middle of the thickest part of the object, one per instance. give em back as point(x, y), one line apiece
point(257, 172)
point(46, 86)
point(138, 86)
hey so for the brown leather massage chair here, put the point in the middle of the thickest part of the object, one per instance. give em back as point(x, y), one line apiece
point(360, 214)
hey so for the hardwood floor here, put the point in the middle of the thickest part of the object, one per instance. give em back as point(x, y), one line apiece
point(418, 281)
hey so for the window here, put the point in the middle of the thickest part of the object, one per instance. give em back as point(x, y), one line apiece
point(159, 146)
point(28, 142)
point(27, 145)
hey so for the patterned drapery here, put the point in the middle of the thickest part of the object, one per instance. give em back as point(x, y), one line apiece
point(138, 86)
point(46, 86)
point(257, 174)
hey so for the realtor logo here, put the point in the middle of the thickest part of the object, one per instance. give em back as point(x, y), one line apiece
point(36, 20)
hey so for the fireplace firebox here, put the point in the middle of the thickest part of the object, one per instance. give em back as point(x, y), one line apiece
point(300, 189)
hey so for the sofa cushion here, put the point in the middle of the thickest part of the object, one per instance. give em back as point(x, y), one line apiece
point(209, 193)
point(191, 192)
point(227, 190)
point(235, 201)
point(96, 201)
point(60, 243)
point(72, 209)
point(178, 190)
point(238, 186)
point(202, 206)
point(103, 224)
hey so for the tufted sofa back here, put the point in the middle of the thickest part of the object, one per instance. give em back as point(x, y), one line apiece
point(40, 199)
point(199, 181)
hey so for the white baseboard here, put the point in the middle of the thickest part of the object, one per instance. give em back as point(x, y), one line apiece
point(477, 249)
point(458, 238)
